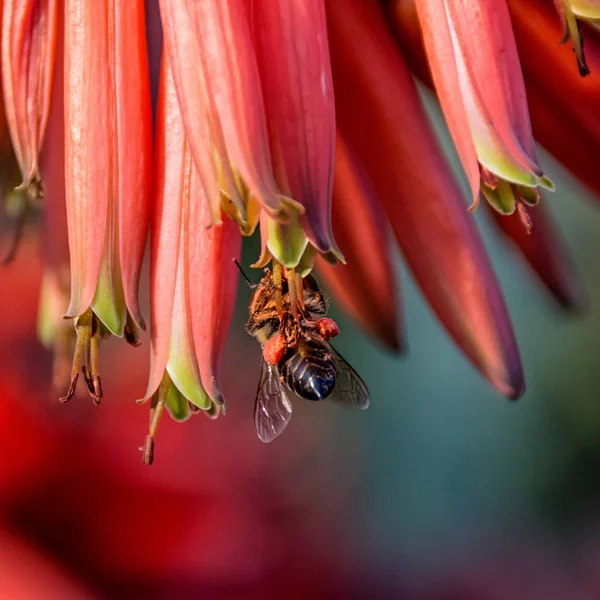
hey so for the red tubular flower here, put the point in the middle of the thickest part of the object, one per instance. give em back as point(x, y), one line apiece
point(365, 287)
point(543, 249)
point(293, 60)
point(218, 88)
point(29, 29)
point(475, 68)
point(108, 154)
point(193, 278)
point(379, 112)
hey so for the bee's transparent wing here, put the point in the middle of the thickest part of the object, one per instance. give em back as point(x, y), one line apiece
point(272, 409)
point(350, 390)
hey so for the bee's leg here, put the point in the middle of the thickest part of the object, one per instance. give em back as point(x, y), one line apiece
point(277, 278)
point(300, 291)
point(293, 291)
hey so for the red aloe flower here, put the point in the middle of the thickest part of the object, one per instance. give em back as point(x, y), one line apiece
point(365, 287)
point(218, 88)
point(107, 169)
point(379, 112)
point(193, 278)
point(475, 68)
point(29, 29)
point(293, 60)
point(543, 249)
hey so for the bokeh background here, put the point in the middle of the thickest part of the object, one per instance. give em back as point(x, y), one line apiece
point(441, 490)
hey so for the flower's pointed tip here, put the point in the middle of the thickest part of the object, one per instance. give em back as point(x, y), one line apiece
point(573, 298)
point(333, 256)
point(547, 183)
point(512, 393)
point(215, 394)
point(507, 378)
point(510, 384)
point(391, 339)
point(150, 391)
point(73, 312)
point(474, 205)
point(214, 411)
point(286, 209)
point(263, 260)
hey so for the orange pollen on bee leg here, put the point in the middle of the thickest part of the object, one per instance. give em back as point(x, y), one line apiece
point(274, 349)
point(327, 328)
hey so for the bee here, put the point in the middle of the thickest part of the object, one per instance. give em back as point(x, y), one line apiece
point(298, 361)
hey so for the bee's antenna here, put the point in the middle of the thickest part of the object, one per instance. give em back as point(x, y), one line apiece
point(250, 283)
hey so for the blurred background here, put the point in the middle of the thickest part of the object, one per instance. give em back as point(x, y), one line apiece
point(441, 490)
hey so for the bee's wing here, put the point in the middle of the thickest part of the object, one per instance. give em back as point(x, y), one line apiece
point(272, 409)
point(350, 390)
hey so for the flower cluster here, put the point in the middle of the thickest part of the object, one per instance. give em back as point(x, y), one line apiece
point(302, 119)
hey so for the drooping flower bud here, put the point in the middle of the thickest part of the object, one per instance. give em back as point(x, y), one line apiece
point(475, 68)
point(193, 277)
point(108, 153)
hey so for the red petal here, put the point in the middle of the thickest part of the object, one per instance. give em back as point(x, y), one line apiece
point(134, 143)
point(107, 143)
point(437, 37)
point(213, 280)
point(380, 113)
point(293, 59)
point(188, 258)
point(365, 287)
point(52, 161)
point(216, 77)
point(87, 89)
point(170, 167)
point(475, 66)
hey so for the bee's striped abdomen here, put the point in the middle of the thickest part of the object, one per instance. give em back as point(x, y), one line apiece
point(310, 370)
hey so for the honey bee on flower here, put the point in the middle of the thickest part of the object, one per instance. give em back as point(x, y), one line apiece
point(288, 318)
